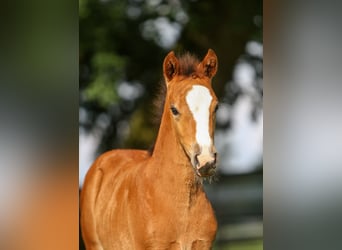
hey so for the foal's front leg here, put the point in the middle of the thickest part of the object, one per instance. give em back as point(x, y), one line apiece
point(201, 245)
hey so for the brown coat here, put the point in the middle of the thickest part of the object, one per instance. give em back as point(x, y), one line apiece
point(132, 199)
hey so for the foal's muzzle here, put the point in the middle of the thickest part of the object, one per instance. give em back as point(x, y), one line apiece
point(205, 165)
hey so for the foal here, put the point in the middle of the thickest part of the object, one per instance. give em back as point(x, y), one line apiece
point(132, 199)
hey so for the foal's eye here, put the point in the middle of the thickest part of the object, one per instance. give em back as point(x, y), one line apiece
point(174, 110)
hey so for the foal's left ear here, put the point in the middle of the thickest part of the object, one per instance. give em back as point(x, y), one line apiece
point(209, 64)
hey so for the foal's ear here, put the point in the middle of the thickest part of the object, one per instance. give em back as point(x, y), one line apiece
point(209, 64)
point(170, 67)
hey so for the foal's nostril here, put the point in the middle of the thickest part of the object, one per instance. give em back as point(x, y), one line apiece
point(215, 157)
point(196, 160)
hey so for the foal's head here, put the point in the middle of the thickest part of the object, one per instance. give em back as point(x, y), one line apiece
point(191, 103)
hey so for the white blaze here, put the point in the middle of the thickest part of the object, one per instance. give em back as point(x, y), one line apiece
point(198, 100)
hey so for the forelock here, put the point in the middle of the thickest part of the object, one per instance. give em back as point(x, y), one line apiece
point(188, 65)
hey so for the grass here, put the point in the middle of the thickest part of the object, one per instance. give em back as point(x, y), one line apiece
point(241, 245)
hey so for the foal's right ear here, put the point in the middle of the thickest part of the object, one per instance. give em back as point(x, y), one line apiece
point(170, 67)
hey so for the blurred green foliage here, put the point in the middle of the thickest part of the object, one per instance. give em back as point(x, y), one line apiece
point(107, 68)
point(245, 245)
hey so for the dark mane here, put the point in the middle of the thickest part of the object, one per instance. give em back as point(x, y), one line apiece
point(187, 67)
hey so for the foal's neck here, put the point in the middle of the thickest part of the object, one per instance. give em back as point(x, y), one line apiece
point(171, 162)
